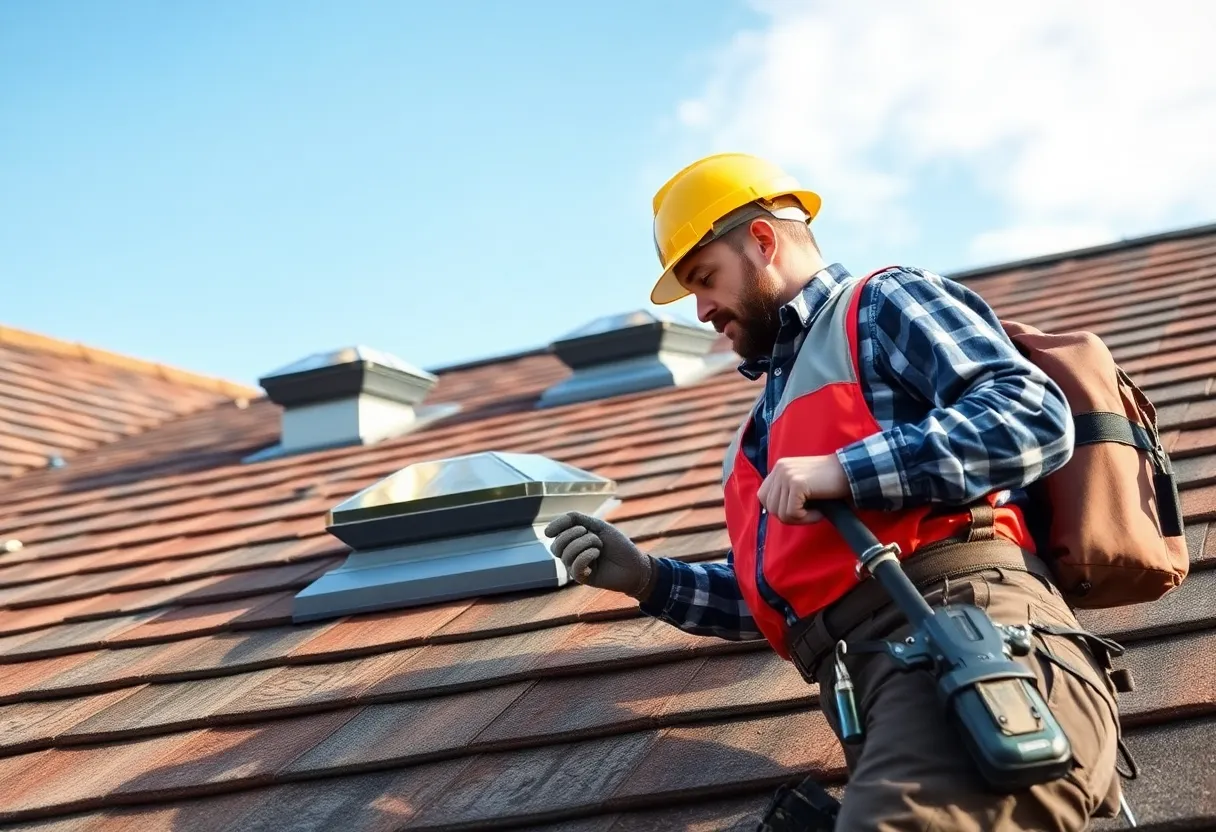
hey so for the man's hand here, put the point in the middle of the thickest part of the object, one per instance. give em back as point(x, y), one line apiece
point(796, 479)
point(599, 554)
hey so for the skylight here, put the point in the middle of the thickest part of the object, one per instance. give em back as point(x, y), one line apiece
point(610, 323)
point(348, 396)
point(463, 526)
point(350, 355)
point(633, 352)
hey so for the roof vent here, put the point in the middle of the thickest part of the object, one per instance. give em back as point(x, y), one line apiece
point(632, 352)
point(460, 527)
point(350, 396)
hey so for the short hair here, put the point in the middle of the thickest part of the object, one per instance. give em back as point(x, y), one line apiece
point(796, 231)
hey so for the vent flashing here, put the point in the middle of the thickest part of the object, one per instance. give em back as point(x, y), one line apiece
point(349, 396)
point(631, 353)
point(460, 527)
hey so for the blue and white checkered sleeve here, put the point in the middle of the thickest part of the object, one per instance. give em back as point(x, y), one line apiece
point(986, 419)
point(702, 599)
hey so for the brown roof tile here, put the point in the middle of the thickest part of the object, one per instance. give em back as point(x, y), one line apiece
point(66, 638)
point(537, 783)
point(1191, 606)
point(510, 613)
point(411, 731)
point(42, 782)
point(466, 664)
point(375, 632)
point(234, 755)
point(17, 680)
point(1170, 683)
point(153, 709)
point(298, 686)
point(109, 670)
point(758, 749)
point(560, 708)
point(732, 685)
point(35, 724)
point(65, 399)
point(149, 656)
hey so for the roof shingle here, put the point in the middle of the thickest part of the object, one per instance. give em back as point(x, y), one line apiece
point(153, 678)
point(62, 399)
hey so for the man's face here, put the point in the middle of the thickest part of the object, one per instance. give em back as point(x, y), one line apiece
point(734, 294)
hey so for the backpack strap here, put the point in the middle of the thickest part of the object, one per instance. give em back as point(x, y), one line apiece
point(1111, 427)
point(1103, 426)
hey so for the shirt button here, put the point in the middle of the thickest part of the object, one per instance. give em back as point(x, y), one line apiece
point(777, 371)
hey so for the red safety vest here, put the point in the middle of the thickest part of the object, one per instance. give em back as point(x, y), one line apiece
point(790, 571)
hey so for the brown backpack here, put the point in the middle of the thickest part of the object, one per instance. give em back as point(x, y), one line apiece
point(1109, 522)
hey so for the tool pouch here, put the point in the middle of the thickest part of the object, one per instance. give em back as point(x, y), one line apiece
point(806, 807)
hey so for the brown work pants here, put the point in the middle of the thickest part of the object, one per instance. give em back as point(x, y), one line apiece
point(910, 770)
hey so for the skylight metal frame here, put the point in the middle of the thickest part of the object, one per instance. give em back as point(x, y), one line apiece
point(618, 355)
point(440, 529)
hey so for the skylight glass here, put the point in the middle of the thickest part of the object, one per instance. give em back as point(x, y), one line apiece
point(348, 355)
point(609, 323)
point(467, 480)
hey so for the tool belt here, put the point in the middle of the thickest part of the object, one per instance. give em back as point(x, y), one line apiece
point(813, 638)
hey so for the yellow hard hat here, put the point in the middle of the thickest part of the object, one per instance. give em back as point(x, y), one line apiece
point(691, 204)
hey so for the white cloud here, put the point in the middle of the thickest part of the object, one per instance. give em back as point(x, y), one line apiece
point(1029, 240)
point(1083, 120)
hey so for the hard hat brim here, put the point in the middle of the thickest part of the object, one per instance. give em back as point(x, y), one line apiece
point(668, 289)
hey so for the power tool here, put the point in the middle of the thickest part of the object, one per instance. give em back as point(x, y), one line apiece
point(991, 698)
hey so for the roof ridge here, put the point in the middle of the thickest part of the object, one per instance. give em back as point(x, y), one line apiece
point(516, 355)
point(95, 355)
point(1087, 251)
point(484, 361)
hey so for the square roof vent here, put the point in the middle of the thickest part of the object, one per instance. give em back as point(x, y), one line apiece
point(459, 527)
point(633, 352)
point(348, 396)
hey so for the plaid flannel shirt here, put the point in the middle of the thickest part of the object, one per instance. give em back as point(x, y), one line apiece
point(962, 414)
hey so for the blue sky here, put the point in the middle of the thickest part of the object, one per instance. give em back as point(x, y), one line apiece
point(229, 186)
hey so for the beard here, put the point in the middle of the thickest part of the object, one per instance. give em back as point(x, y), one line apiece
point(757, 320)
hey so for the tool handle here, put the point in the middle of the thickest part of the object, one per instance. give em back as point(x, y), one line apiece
point(855, 533)
point(888, 572)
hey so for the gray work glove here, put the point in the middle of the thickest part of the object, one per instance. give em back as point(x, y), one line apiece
point(599, 554)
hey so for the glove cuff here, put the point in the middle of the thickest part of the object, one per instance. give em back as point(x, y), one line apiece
point(647, 581)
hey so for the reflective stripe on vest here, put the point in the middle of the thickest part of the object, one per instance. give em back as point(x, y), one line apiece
point(787, 572)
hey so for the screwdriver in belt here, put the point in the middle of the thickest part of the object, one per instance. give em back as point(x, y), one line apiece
point(846, 702)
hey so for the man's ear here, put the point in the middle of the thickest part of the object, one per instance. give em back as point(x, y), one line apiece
point(766, 239)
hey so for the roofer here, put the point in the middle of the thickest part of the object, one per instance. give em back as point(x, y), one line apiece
point(900, 394)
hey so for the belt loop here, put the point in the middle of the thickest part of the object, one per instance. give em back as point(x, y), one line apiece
point(811, 645)
point(982, 523)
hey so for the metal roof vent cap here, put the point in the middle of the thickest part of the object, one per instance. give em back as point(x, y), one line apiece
point(460, 527)
point(632, 352)
point(349, 396)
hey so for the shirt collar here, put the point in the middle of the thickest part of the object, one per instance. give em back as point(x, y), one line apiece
point(797, 314)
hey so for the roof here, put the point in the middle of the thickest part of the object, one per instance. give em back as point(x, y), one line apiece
point(62, 399)
point(153, 680)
